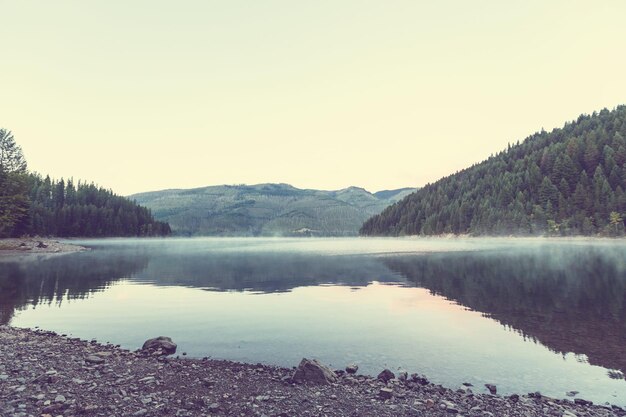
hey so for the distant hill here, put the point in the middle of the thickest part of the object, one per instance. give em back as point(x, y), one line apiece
point(570, 181)
point(266, 209)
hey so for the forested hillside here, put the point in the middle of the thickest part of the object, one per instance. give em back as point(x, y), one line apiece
point(32, 205)
point(267, 209)
point(570, 181)
point(58, 208)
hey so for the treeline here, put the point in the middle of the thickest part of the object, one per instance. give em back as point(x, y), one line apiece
point(570, 181)
point(32, 205)
point(58, 208)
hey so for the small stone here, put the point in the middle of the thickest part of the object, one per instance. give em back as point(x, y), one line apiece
point(96, 360)
point(492, 388)
point(352, 368)
point(419, 379)
point(88, 409)
point(571, 393)
point(59, 399)
point(214, 407)
point(385, 393)
point(53, 408)
point(449, 406)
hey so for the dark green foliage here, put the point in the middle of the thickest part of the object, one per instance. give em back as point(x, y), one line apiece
point(13, 184)
point(11, 156)
point(58, 208)
point(13, 201)
point(566, 182)
point(32, 205)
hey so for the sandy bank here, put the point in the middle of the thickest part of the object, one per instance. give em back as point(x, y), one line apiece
point(42, 373)
point(17, 246)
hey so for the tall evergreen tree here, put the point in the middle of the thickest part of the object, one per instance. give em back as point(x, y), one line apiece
point(13, 186)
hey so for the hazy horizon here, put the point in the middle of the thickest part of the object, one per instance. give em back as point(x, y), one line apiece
point(147, 96)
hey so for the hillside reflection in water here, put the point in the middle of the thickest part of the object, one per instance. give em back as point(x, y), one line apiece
point(567, 296)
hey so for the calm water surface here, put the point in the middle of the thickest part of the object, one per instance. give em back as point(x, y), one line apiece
point(524, 314)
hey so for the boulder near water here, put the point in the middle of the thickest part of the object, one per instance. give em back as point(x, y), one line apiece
point(161, 343)
point(352, 368)
point(386, 375)
point(311, 370)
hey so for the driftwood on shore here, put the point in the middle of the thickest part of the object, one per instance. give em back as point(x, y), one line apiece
point(42, 373)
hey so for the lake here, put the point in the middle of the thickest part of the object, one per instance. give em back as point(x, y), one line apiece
point(528, 315)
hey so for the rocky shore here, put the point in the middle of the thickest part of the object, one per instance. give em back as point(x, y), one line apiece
point(15, 246)
point(46, 374)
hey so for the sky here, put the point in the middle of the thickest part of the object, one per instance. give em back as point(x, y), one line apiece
point(147, 95)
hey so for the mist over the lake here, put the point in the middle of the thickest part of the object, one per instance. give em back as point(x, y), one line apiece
point(549, 311)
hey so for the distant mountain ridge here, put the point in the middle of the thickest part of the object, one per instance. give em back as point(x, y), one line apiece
point(266, 209)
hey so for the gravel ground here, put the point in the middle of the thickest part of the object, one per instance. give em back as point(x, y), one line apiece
point(46, 374)
point(15, 246)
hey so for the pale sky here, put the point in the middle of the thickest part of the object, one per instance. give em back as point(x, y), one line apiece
point(146, 95)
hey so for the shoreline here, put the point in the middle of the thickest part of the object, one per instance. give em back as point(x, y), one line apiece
point(36, 245)
point(44, 373)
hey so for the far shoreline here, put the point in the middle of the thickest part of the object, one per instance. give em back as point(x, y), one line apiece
point(416, 237)
point(37, 245)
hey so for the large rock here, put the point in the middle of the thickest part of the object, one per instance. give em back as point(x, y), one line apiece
point(386, 375)
point(162, 343)
point(310, 370)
